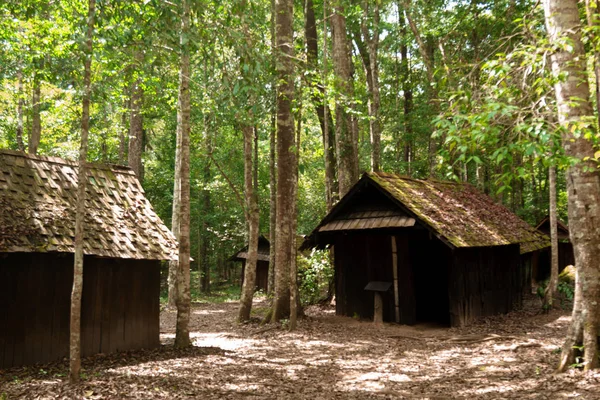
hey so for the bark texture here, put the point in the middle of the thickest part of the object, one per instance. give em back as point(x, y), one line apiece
point(272, 170)
point(123, 132)
point(583, 180)
point(20, 105)
point(346, 140)
point(426, 50)
point(294, 295)
point(553, 284)
point(272, 205)
point(203, 260)
point(182, 334)
point(75, 320)
point(252, 218)
point(370, 63)
point(591, 11)
point(284, 11)
point(35, 133)
point(318, 99)
point(136, 121)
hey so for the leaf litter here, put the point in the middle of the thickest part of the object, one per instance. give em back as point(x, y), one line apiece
point(511, 356)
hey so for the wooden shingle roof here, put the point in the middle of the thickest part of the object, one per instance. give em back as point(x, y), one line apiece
point(264, 249)
point(38, 202)
point(457, 213)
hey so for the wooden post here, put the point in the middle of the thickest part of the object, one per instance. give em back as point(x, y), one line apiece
point(395, 269)
point(378, 311)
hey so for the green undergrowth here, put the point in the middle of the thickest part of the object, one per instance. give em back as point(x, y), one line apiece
point(221, 292)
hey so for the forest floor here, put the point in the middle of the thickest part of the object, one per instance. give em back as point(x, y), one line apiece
point(327, 357)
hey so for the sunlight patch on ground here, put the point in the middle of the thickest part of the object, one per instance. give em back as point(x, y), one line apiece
point(223, 340)
point(208, 312)
point(304, 344)
point(370, 381)
point(564, 320)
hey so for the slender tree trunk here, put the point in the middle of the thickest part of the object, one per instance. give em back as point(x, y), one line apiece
point(136, 121)
point(370, 63)
point(175, 223)
point(204, 260)
point(553, 284)
point(583, 179)
point(426, 50)
point(182, 334)
point(284, 17)
point(294, 295)
point(75, 322)
point(272, 169)
point(272, 204)
point(36, 120)
point(252, 218)
point(408, 94)
point(123, 131)
point(318, 99)
point(591, 9)
point(20, 105)
point(344, 131)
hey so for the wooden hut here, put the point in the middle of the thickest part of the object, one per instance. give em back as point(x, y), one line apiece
point(262, 263)
point(541, 270)
point(123, 245)
point(450, 252)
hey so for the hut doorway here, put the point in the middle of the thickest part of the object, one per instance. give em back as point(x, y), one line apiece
point(429, 264)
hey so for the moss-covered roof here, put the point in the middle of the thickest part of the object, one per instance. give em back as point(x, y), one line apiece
point(457, 213)
point(37, 210)
point(460, 213)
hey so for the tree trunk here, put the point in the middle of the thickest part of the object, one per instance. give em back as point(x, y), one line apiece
point(272, 205)
point(318, 99)
point(136, 121)
point(204, 264)
point(591, 9)
point(284, 17)
point(75, 321)
point(182, 334)
point(583, 179)
point(124, 128)
point(553, 284)
point(426, 50)
point(371, 66)
point(294, 295)
point(272, 170)
point(20, 104)
point(347, 160)
point(36, 120)
point(408, 95)
point(252, 218)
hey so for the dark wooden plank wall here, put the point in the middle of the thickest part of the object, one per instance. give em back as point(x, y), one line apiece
point(359, 259)
point(262, 274)
point(565, 257)
point(484, 282)
point(120, 306)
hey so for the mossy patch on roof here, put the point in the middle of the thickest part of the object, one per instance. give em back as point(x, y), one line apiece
point(460, 213)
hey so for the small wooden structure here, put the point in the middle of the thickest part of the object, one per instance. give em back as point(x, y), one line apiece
point(123, 245)
point(262, 263)
point(451, 252)
point(566, 257)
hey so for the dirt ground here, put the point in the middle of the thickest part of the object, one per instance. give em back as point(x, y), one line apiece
point(328, 357)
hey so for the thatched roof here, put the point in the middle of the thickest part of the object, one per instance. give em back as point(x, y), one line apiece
point(38, 202)
point(457, 213)
point(263, 251)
